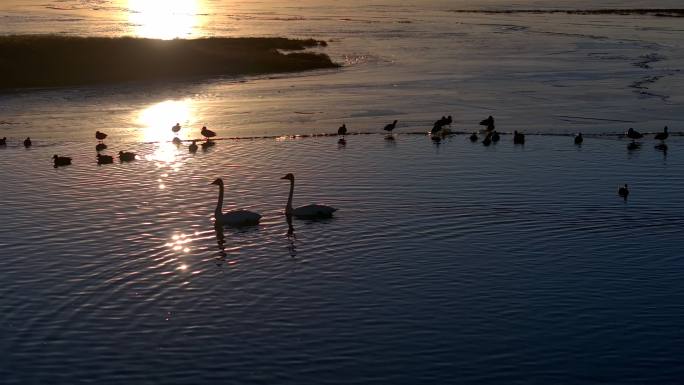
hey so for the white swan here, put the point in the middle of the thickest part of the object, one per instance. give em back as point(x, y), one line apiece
point(308, 211)
point(234, 217)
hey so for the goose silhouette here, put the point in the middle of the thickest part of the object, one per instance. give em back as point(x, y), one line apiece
point(662, 135)
point(125, 156)
point(61, 160)
point(391, 126)
point(100, 136)
point(104, 159)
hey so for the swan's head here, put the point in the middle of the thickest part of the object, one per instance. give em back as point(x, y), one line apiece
point(289, 177)
point(218, 182)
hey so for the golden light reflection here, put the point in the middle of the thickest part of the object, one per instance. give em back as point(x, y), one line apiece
point(157, 120)
point(164, 19)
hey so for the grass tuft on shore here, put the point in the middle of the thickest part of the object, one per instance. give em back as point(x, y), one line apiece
point(56, 61)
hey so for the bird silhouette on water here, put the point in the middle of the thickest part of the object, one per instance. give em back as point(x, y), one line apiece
point(662, 135)
point(100, 136)
point(27, 142)
point(176, 128)
point(342, 130)
point(634, 134)
point(495, 136)
point(440, 123)
point(176, 140)
point(193, 147)
point(489, 123)
point(3, 141)
point(104, 159)
point(487, 140)
point(623, 191)
point(518, 138)
point(61, 160)
point(125, 156)
point(207, 133)
point(390, 127)
point(473, 137)
point(579, 139)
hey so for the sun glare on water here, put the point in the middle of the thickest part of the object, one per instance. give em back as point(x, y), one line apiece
point(156, 120)
point(164, 19)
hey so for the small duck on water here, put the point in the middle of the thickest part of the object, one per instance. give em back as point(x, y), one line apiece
point(579, 139)
point(623, 191)
point(61, 160)
point(27, 142)
point(125, 156)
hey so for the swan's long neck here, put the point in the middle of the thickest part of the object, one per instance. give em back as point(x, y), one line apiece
point(219, 204)
point(288, 207)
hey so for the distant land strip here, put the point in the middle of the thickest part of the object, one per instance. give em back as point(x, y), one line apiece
point(60, 61)
point(661, 12)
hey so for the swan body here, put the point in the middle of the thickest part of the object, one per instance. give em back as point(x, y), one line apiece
point(309, 211)
point(233, 218)
point(100, 135)
point(207, 133)
point(61, 160)
point(126, 156)
point(579, 139)
point(104, 159)
point(27, 142)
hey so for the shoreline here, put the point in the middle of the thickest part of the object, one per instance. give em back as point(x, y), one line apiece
point(46, 61)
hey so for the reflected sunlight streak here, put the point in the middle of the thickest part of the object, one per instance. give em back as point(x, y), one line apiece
point(157, 120)
point(164, 19)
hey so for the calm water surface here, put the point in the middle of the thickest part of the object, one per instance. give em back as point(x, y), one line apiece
point(449, 263)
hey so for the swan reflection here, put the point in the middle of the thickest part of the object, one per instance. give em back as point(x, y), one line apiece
point(221, 256)
point(291, 237)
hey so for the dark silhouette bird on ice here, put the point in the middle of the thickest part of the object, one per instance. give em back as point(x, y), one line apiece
point(176, 128)
point(634, 134)
point(579, 139)
point(207, 133)
point(662, 135)
point(342, 130)
point(473, 137)
point(391, 126)
point(3, 141)
point(489, 123)
point(27, 142)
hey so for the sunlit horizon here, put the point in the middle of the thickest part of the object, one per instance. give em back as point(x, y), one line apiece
point(164, 19)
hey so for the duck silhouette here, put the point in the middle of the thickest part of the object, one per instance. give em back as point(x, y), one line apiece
point(27, 142)
point(579, 139)
point(662, 135)
point(518, 137)
point(342, 130)
point(61, 160)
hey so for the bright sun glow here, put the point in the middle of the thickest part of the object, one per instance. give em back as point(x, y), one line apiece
point(157, 120)
point(164, 19)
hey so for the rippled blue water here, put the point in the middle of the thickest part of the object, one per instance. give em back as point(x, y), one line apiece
point(455, 263)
